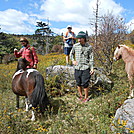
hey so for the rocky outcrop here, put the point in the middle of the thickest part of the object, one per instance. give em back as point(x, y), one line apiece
point(57, 48)
point(67, 72)
point(124, 118)
point(8, 58)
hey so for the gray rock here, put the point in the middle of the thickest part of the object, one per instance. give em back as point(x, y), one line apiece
point(67, 73)
point(124, 114)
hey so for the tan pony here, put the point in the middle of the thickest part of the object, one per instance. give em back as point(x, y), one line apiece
point(127, 54)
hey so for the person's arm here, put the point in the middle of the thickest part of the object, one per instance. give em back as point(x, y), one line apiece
point(65, 37)
point(35, 58)
point(91, 62)
point(74, 36)
point(18, 54)
point(72, 55)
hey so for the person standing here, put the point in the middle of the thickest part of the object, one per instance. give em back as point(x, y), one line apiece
point(27, 52)
point(69, 39)
point(82, 59)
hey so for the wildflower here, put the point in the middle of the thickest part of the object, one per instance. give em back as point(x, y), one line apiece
point(19, 110)
point(124, 122)
point(119, 121)
point(131, 131)
point(11, 113)
point(128, 128)
point(111, 118)
point(5, 111)
point(45, 130)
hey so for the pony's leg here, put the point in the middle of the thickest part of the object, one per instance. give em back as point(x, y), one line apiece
point(132, 93)
point(27, 105)
point(131, 82)
point(132, 89)
point(33, 115)
point(17, 101)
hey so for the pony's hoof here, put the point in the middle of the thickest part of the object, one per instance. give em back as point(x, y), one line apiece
point(32, 119)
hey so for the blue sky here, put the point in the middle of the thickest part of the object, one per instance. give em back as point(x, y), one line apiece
point(20, 16)
point(129, 8)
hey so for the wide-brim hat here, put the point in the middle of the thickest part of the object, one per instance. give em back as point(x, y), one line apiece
point(24, 39)
point(81, 34)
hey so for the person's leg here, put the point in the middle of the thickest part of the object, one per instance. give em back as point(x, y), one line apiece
point(80, 91)
point(85, 82)
point(86, 92)
point(77, 75)
point(67, 59)
point(67, 55)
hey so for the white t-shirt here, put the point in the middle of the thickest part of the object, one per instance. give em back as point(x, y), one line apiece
point(70, 34)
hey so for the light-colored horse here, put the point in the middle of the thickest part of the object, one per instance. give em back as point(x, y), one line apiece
point(127, 54)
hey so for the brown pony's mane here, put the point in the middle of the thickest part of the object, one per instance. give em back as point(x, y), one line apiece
point(130, 50)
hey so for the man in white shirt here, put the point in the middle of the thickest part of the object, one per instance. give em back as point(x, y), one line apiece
point(69, 39)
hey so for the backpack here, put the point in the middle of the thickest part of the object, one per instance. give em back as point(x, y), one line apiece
point(70, 41)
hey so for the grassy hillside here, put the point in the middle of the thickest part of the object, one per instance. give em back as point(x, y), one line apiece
point(68, 116)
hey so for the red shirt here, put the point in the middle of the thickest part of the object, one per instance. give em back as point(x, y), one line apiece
point(29, 54)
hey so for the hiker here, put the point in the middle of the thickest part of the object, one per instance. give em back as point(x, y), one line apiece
point(82, 59)
point(69, 39)
point(27, 52)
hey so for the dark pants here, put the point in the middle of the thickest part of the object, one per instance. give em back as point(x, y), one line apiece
point(67, 50)
point(82, 77)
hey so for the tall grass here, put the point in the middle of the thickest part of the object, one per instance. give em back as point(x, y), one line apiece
point(68, 115)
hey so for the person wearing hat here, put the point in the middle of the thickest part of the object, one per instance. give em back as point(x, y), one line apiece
point(82, 59)
point(69, 39)
point(27, 52)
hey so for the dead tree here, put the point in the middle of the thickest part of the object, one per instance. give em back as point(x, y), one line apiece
point(111, 32)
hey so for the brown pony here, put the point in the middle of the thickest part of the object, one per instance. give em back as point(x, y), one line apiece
point(29, 83)
point(127, 54)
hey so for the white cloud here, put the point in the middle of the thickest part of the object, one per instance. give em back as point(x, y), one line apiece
point(34, 5)
point(78, 12)
point(13, 21)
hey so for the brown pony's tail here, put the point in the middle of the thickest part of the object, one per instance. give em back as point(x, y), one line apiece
point(39, 96)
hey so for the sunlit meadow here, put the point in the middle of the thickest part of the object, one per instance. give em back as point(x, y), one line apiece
point(68, 115)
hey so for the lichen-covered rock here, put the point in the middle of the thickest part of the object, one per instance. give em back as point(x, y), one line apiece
point(124, 118)
point(67, 72)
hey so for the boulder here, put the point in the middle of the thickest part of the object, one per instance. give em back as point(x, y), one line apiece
point(57, 48)
point(8, 58)
point(67, 73)
point(124, 118)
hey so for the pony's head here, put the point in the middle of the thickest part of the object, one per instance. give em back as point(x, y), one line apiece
point(117, 52)
point(22, 64)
